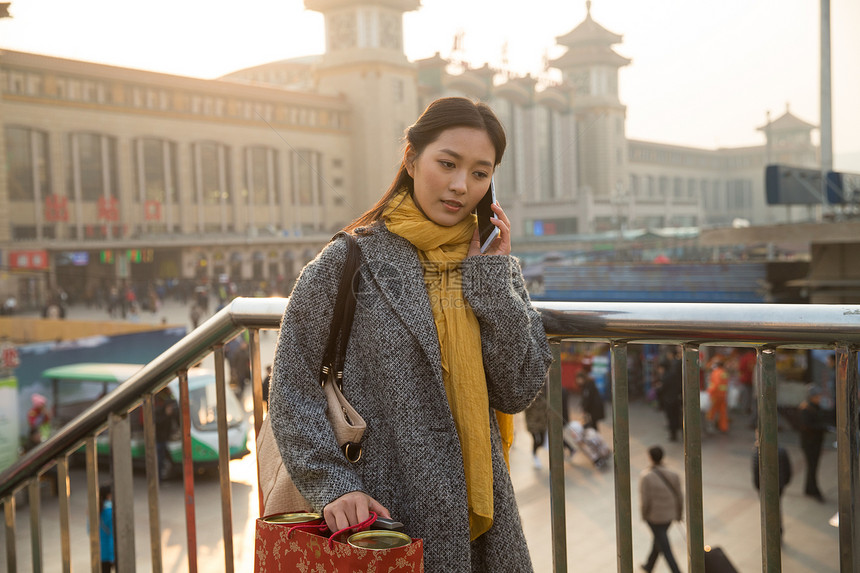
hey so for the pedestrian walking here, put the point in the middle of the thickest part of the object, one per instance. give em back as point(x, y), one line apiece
point(267, 380)
point(813, 426)
point(784, 472)
point(592, 401)
point(166, 423)
point(662, 503)
point(670, 394)
point(195, 314)
point(718, 389)
point(240, 368)
point(536, 424)
point(106, 529)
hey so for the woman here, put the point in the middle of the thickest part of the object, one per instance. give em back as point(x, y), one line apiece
point(442, 335)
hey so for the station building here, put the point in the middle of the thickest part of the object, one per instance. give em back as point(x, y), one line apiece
point(117, 174)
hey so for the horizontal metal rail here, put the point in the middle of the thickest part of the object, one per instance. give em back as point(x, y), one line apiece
point(764, 327)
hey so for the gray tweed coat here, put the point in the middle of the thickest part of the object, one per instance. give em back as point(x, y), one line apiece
point(412, 462)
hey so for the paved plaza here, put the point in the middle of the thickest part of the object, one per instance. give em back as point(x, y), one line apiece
point(731, 505)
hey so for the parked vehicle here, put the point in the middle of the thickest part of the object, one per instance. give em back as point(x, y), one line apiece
point(75, 387)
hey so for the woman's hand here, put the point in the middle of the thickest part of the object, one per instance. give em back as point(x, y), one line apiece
point(502, 244)
point(351, 509)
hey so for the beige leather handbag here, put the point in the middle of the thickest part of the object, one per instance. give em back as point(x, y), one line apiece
point(278, 493)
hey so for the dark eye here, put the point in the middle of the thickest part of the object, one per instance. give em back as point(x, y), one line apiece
point(481, 175)
point(448, 164)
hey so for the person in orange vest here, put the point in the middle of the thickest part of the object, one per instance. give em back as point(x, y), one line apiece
point(718, 389)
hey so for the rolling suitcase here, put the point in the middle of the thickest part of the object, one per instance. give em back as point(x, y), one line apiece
point(717, 562)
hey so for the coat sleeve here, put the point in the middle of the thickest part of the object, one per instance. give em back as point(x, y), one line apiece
point(513, 341)
point(297, 403)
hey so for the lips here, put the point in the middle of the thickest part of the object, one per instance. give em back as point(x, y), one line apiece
point(452, 204)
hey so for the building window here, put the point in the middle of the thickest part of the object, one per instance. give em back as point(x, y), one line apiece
point(88, 91)
point(156, 175)
point(261, 175)
point(306, 177)
point(546, 154)
point(398, 90)
point(34, 84)
point(635, 191)
point(691, 187)
point(27, 163)
point(212, 173)
point(93, 167)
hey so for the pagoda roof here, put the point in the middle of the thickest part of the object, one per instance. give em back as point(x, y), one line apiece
point(589, 55)
point(589, 32)
point(787, 122)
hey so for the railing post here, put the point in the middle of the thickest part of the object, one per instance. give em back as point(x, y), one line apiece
point(257, 393)
point(122, 476)
point(556, 463)
point(63, 493)
point(224, 458)
point(621, 448)
point(35, 523)
point(848, 444)
point(693, 458)
point(9, 515)
point(153, 476)
point(188, 469)
point(256, 378)
point(768, 462)
point(93, 504)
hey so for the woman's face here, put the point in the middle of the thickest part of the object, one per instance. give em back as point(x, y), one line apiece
point(452, 174)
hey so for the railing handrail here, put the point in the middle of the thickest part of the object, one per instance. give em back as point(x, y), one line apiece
point(789, 324)
point(807, 325)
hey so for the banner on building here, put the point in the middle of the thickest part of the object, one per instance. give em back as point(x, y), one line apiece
point(28, 260)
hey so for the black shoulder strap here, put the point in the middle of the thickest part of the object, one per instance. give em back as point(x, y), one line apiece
point(671, 488)
point(344, 310)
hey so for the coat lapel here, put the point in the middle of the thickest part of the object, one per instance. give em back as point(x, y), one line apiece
point(391, 264)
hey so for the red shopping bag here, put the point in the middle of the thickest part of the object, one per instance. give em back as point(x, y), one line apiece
point(281, 547)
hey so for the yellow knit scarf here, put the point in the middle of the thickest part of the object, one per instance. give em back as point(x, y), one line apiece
point(442, 250)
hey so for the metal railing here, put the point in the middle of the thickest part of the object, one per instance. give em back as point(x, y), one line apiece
point(764, 327)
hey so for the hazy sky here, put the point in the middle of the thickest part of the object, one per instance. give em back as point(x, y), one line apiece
point(704, 72)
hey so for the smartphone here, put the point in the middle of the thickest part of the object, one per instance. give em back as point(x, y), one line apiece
point(486, 229)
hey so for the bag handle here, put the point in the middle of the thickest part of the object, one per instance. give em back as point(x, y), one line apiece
point(344, 312)
point(358, 527)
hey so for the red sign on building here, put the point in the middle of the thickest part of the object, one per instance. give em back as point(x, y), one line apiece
point(56, 208)
point(152, 210)
point(108, 209)
point(9, 357)
point(28, 260)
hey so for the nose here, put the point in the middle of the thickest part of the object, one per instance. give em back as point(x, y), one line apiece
point(458, 182)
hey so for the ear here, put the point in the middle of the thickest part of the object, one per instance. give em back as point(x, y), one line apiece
point(409, 157)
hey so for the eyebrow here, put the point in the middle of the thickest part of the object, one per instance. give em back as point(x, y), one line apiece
point(456, 155)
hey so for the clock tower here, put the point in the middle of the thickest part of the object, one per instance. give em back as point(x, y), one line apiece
point(590, 67)
point(365, 62)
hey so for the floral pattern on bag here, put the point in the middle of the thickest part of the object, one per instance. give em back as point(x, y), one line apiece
point(278, 549)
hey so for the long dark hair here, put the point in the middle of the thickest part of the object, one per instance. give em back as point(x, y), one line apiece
point(444, 113)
